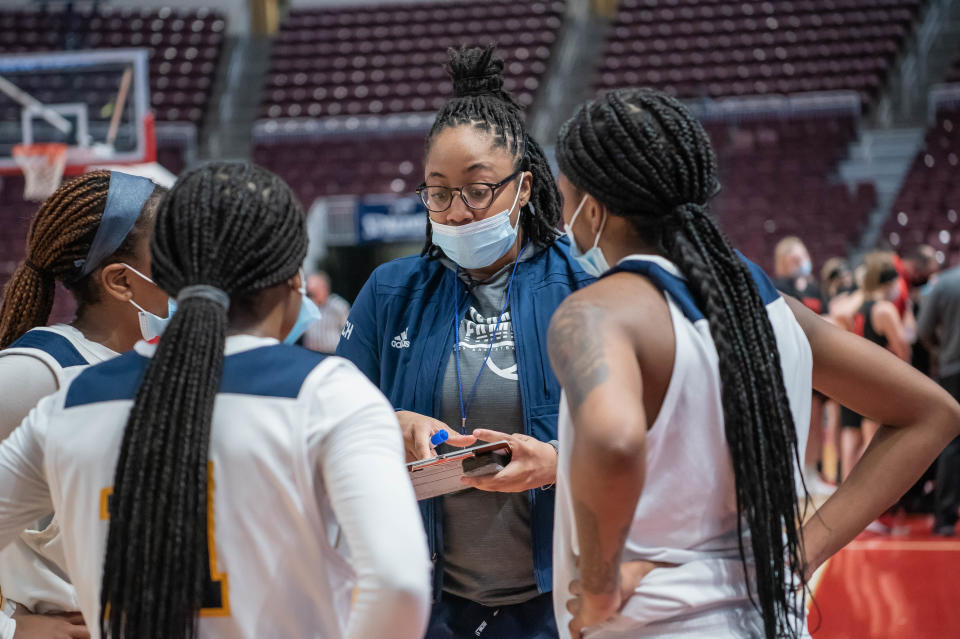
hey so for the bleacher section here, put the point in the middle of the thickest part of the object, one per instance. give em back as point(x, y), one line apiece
point(927, 209)
point(362, 61)
point(184, 47)
point(776, 181)
point(346, 165)
point(388, 59)
point(696, 48)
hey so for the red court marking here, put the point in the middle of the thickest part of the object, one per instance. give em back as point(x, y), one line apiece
point(890, 587)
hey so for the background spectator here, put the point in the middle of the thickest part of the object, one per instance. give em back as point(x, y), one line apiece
point(324, 334)
point(939, 328)
point(793, 274)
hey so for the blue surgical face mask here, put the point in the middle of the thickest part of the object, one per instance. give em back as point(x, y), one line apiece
point(478, 244)
point(152, 326)
point(804, 270)
point(309, 313)
point(593, 261)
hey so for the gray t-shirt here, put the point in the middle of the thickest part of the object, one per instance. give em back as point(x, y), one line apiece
point(939, 321)
point(488, 557)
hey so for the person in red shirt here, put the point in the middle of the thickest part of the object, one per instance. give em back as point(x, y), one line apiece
point(902, 301)
point(915, 268)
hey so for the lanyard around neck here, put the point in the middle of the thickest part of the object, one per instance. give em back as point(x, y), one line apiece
point(465, 407)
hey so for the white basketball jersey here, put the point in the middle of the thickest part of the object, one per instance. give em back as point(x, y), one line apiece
point(278, 566)
point(61, 347)
point(32, 570)
point(687, 513)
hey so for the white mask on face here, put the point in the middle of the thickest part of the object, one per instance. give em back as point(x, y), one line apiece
point(593, 261)
point(478, 244)
point(152, 326)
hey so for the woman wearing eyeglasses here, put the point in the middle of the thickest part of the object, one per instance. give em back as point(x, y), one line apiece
point(456, 339)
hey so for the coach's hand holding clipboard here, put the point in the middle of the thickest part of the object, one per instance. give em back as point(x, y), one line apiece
point(533, 464)
point(417, 430)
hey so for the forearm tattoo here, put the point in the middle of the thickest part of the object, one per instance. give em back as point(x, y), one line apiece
point(599, 571)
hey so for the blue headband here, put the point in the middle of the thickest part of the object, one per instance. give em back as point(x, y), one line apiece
point(125, 200)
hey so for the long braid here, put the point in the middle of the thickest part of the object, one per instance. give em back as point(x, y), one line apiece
point(645, 158)
point(479, 100)
point(59, 237)
point(239, 228)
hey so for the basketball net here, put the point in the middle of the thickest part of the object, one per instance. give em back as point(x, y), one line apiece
point(42, 166)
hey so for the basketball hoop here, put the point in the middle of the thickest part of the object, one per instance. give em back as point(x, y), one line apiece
point(42, 166)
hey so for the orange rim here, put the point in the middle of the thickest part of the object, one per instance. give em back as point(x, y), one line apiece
point(49, 149)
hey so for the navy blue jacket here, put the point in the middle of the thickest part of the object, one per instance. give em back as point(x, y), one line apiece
point(400, 333)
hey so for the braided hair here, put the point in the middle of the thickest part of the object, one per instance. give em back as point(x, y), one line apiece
point(237, 227)
point(479, 100)
point(59, 238)
point(645, 158)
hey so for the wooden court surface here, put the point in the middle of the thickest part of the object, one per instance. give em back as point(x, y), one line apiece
point(897, 586)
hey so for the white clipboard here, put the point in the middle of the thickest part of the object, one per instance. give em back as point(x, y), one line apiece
point(441, 475)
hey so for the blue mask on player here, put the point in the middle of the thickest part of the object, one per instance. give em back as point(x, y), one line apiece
point(309, 313)
point(592, 261)
point(804, 270)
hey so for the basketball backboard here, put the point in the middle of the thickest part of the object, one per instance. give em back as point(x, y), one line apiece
point(94, 102)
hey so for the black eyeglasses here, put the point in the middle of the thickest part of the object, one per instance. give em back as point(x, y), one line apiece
point(477, 196)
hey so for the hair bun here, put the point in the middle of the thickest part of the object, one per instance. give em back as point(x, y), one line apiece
point(476, 71)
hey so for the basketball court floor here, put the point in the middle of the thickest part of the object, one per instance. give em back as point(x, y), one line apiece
point(893, 586)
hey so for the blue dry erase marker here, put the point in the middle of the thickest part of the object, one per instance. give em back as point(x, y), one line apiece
point(439, 437)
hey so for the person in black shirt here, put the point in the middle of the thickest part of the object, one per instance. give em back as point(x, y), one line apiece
point(841, 297)
point(793, 274)
point(878, 321)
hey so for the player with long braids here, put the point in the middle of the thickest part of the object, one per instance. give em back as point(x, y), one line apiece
point(93, 236)
point(210, 483)
point(686, 376)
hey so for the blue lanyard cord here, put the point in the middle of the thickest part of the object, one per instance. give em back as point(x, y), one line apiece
point(456, 347)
